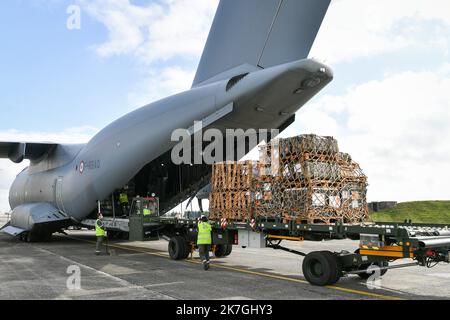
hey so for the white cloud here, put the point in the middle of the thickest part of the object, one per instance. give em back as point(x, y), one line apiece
point(352, 29)
point(70, 135)
point(397, 128)
point(355, 29)
point(153, 34)
point(9, 170)
point(156, 32)
point(156, 86)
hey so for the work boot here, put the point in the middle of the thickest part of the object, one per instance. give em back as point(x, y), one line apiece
point(205, 265)
point(97, 253)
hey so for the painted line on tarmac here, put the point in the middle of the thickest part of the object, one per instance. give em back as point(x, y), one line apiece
point(126, 286)
point(163, 284)
point(372, 294)
point(267, 275)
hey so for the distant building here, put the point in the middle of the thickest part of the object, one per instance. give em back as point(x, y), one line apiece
point(381, 205)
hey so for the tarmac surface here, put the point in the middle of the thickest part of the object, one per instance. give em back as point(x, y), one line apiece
point(143, 270)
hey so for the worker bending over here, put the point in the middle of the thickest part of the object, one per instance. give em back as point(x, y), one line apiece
point(204, 241)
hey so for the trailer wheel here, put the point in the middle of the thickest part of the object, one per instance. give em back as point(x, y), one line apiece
point(229, 250)
point(320, 269)
point(187, 251)
point(177, 248)
point(336, 267)
point(221, 250)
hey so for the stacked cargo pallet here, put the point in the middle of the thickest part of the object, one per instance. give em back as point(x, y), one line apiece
point(232, 187)
point(354, 190)
point(303, 178)
point(310, 181)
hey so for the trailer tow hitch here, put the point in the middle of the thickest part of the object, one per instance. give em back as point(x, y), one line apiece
point(278, 247)
point(413, 264)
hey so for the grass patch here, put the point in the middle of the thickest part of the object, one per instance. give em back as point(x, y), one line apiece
point(418, 212)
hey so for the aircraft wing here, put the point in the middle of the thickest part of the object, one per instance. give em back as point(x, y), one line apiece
point(18, 151)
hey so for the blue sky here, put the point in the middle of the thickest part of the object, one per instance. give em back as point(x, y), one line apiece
point(54, 76)
point(388, 104)
point(51, 78)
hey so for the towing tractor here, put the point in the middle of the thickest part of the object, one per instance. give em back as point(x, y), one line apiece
point(379, 243)
point(144, 223)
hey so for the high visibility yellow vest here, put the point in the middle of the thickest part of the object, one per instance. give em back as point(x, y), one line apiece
point(123, 198)
point(99, 232)
point(204, 233)
point(147, 212)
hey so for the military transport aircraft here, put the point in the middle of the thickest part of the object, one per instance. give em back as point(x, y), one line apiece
point(254, 73)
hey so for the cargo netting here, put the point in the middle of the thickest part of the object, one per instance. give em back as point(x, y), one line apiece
point(303, 178)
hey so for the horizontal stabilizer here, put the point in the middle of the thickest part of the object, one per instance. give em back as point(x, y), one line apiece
point(37, 216)
point(18, 151)
point(13, 231)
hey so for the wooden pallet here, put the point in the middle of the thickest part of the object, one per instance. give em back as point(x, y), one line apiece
point(228, 176)
point(319, 200)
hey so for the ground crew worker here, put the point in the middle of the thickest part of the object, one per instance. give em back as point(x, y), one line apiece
point(204, 240)
point(146, 211)
point(100, 232)
point(123, 200)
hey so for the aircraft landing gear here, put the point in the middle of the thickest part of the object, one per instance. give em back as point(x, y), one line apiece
point(33, 237)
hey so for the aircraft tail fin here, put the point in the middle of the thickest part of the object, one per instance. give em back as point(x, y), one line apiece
point(260, 34)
